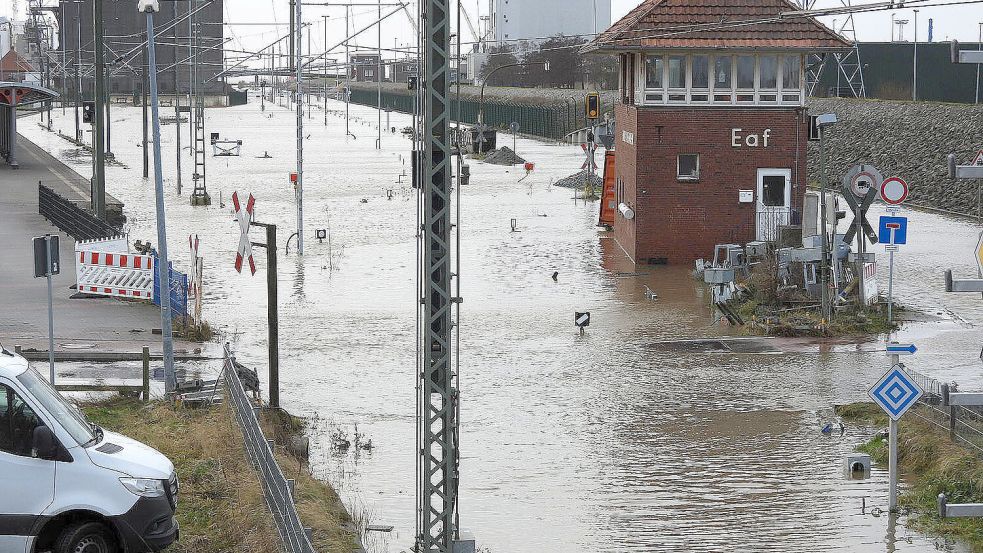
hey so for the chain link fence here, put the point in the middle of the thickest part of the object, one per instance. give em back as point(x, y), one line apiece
point(963, 423)
point(277, 489)
point(553, 119)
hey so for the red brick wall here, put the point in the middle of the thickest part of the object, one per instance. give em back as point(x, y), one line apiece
point(624, 162)
point(680, 221)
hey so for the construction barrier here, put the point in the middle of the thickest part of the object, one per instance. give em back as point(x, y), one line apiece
point(106, 268)
point(179, 292)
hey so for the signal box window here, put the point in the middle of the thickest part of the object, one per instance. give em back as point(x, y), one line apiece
point(688, 167)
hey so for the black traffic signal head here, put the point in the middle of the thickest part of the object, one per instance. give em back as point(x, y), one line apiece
point(593, 106)
point(88, 112)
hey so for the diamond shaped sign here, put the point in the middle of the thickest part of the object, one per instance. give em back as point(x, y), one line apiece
point(895, 392)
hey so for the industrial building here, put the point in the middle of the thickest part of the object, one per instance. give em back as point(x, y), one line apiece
point(12, 37)
point(365, 68)
point(537, 20)
point(712, 127)
point(125, 28)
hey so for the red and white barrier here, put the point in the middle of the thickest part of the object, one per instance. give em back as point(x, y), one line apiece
point(113, 273)
point(871, 290)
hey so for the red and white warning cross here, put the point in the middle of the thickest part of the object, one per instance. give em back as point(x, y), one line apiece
point(589, 163)
point(244, 214)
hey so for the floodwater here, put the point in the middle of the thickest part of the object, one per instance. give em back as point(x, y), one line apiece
point(606, 442)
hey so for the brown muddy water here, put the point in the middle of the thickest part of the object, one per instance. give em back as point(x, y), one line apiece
point(608, 442)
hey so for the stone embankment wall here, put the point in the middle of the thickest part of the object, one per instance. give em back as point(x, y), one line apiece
point(906, 139)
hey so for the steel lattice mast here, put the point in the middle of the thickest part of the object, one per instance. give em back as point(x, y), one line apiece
point(438, 404)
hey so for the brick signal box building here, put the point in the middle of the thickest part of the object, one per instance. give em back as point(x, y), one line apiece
point(711, 128)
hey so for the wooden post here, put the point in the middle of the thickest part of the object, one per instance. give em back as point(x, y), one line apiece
point(146, 374)
point(273, 320)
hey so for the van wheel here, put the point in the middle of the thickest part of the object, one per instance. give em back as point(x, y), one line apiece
point(85, 537)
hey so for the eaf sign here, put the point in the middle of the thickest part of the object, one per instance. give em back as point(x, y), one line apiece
point(739, 138)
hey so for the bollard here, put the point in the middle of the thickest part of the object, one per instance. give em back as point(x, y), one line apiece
point(146, 374)
point(17, 349)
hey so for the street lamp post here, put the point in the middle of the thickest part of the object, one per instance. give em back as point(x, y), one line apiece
point(481, 100)
point(824, 122)
point(914, 68)
point(979, 46)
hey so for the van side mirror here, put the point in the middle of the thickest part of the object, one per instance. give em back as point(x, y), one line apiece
point(44, 444)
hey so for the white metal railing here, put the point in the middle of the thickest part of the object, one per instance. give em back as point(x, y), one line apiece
point(277, 489)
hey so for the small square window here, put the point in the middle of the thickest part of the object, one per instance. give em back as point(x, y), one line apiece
point(688, 167)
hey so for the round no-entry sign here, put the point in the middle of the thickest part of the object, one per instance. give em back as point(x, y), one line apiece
point(894, 191)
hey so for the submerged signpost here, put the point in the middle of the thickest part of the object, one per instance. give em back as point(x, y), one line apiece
point(892, 230)
point(859, 184)
point(895, 393)
point(245, 215)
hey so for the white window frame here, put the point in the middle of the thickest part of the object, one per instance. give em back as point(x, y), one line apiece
point(684, 96)
point(688, 178)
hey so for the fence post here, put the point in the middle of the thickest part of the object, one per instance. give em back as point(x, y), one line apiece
point(146, 374)
point(952, 422)
point(944, 392)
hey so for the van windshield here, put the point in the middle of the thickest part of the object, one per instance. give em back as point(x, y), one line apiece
point(67, 416)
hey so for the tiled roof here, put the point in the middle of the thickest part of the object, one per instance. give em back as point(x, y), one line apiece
point(662, 24)
point(15, 63)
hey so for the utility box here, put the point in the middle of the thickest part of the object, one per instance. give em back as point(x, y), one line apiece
point(856, 466)
point(489, 143)
point(731, 255)
point(465, 543)
point(756, 249)
point(718, 275)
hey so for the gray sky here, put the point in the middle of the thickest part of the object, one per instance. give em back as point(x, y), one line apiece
point(960, 21)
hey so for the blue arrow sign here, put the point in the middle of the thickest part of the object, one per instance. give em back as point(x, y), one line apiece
point(895, 392)
point(901, 349)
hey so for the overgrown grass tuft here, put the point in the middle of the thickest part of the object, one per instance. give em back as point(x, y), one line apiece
point(931, 464)
point(221, 506)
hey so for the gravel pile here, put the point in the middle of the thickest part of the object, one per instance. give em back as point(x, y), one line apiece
point(579, 179)
point(503, 156)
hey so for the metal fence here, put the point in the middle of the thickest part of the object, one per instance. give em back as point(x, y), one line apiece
point(72, 219)
point(277, 489)
point(963, 423)
point(554, 119)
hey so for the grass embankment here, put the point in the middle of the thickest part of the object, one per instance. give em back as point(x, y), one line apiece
point(931, 464)
point(221, 506)
point(769, 309)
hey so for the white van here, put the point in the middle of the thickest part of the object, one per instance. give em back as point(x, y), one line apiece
point(68, 486)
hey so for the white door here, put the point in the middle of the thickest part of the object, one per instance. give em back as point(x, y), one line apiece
point(774, 203)
point(27, 483)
